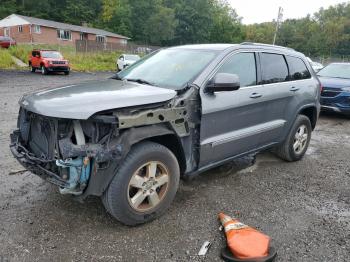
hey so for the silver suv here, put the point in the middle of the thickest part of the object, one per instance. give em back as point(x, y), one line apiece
point(176, 112)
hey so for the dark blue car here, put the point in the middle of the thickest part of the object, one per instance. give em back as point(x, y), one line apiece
point(335, 79)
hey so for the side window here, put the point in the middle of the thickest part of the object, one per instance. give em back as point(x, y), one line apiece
point(274, 68)
point(243, 65)
point(297, 68)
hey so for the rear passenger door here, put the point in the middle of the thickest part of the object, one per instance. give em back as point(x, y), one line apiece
point(281, 75)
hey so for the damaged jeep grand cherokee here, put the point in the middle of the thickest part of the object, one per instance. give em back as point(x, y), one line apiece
point(176, 112)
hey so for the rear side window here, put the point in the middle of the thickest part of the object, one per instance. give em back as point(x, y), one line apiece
point(243, 65)
point(274, 68)
point(297, 68)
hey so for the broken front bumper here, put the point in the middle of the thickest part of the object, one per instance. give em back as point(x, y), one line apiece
point(32, 163)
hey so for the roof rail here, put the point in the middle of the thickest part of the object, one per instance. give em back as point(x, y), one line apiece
point(267, 45)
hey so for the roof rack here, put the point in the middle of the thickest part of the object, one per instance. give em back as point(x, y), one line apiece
point(267, 45)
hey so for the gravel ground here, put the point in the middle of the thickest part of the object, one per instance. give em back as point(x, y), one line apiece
point(303, 206)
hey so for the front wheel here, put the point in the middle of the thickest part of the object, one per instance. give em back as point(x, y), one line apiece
point(66, 72)
point(297, 142)
point(43, 70)
point(144, 186)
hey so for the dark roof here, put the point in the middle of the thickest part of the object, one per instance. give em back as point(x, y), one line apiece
point(77, 28)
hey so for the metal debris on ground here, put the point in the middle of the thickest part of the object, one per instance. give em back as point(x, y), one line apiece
point(204, 249)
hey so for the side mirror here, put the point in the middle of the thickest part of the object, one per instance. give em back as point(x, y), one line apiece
point(223, 82)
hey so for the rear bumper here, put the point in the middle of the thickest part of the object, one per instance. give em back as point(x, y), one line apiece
point(32, 163)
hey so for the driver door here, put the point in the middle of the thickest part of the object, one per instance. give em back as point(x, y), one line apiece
point(35, 59)
point(232, 121)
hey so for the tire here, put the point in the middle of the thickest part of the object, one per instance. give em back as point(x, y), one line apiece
point(121, 198)
point(66, 73)
point(43, 70)
point(32, 69)
point(288, 150)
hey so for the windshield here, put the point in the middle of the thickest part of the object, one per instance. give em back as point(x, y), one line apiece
point(132, 57)
point(336, 70)
point(50, 54)
point(169, 68)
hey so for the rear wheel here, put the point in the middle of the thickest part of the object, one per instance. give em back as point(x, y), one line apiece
point(297, 142)
point(144, 186)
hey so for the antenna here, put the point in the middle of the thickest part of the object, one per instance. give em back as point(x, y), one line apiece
point(278, 23)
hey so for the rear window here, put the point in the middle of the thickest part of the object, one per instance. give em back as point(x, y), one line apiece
point(274, 68)
point(297, 68)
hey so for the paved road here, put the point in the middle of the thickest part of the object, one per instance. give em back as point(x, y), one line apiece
point(303, 206)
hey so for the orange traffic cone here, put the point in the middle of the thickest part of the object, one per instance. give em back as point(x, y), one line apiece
point(245, 242)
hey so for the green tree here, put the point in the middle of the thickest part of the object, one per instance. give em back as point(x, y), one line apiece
point(160, 27)
point(116, 17)
point(7, 7)
point(226, 26)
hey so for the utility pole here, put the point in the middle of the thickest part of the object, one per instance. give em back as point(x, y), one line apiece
point(278, 23)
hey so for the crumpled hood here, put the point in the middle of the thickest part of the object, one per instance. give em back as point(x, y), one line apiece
point(83, 100)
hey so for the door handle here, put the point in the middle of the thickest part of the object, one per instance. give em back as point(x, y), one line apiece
point(255, 95)
point(293, 89)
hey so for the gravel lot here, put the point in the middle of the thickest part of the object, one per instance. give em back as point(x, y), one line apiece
point(303, 206)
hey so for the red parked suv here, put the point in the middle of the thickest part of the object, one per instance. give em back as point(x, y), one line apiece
point(48, 61)
point(6, 42)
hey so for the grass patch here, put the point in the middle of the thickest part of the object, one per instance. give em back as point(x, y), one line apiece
point(6, 61)
point(93, 61)
point(83, 62)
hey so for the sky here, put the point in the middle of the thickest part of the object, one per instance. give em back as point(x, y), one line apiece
point(255, 11)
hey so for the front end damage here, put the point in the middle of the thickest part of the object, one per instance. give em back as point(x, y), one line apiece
point(82, 156)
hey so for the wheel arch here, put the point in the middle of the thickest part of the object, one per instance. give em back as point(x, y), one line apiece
point(310, 112)
point(155, 133)
point(173, 143)
point(160, 134)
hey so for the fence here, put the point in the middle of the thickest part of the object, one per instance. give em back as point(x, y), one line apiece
point(93, 46)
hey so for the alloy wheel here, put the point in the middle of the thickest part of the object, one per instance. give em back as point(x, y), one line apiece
point(148, 186)
point(300, 139)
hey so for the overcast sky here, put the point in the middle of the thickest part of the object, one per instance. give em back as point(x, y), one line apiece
point(255, 11)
